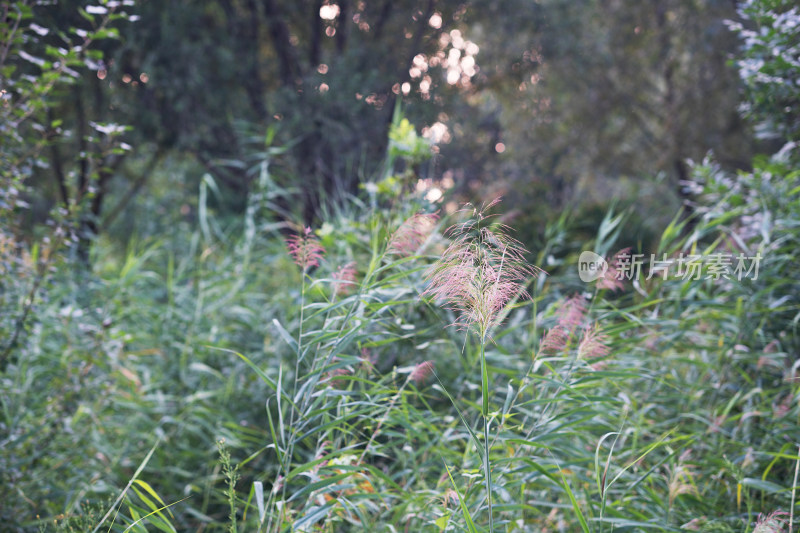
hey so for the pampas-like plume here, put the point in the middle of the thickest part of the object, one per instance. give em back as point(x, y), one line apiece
point(570, 317)
point(571, 313)
point(554, 340)
point(481, 271)
point(478, 275)
point(771, 523)
point(344, 278)
point(422, 372)
point(412, 234)
point(592, 344)
point(305, 249)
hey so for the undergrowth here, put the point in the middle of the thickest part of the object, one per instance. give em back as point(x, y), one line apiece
point(348, 400)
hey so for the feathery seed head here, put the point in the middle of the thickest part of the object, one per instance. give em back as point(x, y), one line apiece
point(771, 523)
point(681, 482)
point(344, 278)
point(592, 344)
point(554, 340)
point(422, 372)
point(572, 312)
point(481, 271)
point(412, 234)
point(305, 249)
point(570, 317)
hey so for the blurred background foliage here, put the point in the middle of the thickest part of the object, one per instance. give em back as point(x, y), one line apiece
point(558, 102)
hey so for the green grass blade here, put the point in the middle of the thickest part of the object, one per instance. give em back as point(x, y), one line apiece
point(467, 516)
point(574, 502)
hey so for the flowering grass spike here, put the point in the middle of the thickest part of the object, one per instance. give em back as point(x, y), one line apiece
point(771, 523)
point(305, 249)
point(554, 340)
point(572, 312)
point(478, 275)
point(412, 234)
point(481, 271)
point(345, 278)
point(593, 344)
point(570, 318)
point(422, 372)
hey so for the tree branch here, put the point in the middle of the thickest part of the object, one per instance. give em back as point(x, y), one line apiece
point(219, 172)
point(134, 190)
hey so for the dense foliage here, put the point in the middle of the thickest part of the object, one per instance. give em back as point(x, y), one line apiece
point(197, 359)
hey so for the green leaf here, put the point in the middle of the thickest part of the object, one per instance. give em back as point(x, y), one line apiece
point(441, 522)
point(574, 502)
point(146, 486)
point(467, 516)
point(315, 514)
point(286, 336)
point(763, 485)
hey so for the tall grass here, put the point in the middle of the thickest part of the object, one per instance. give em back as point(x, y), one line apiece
point(346, 403)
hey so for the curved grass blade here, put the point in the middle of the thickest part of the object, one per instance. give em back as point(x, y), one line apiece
point(468, 517)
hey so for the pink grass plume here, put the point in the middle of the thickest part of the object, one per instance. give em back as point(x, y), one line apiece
point(481, 271)
point(305, 249)
point(409, 238)
point(422, 372)
point(593, 344)
point(771, 523)
point(554, 341)
point(344, 279)
point(572, 312)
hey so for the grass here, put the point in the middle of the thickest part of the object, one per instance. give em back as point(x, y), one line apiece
point(667, 405)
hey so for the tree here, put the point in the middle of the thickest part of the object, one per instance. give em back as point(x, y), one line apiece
point(770, 66)
point(51, 61)
point(589, 95)
point(324, 76)
point(44, 57)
